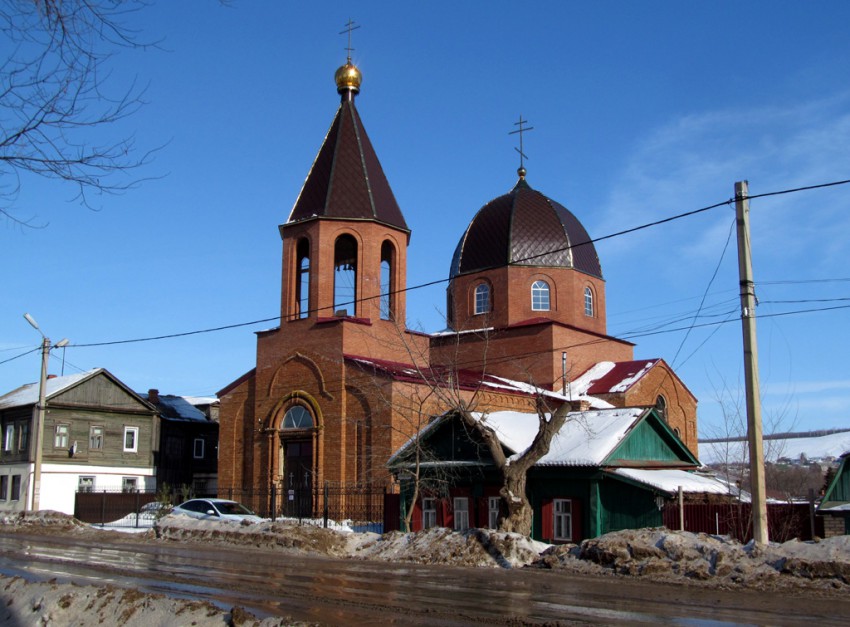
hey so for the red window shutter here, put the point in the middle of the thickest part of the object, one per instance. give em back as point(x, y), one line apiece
point(416, 520)
point(546, 520)
point(576, 516)
point(444, 514)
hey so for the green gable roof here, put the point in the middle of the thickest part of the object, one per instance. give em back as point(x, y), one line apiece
point(650, 440)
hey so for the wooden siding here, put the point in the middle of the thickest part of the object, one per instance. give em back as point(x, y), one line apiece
point(17, 417)
point(100, 392)
point(649, 441)
point(112, 453)
point(623, 506)
point(839, 491)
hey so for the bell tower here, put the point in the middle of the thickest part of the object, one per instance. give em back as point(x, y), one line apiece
point(345, 242)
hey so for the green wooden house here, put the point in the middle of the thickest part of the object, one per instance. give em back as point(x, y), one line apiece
point(606, 470)
point(835, 505)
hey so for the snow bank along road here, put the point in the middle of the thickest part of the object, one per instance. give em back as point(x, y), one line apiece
point(349, 592)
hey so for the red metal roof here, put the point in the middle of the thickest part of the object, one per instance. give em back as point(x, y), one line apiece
point(436, 376)
point(621, 377)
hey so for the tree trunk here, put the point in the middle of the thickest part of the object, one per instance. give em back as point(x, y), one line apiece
point(513, 492)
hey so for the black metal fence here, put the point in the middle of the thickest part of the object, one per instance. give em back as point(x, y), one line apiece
point(360, 507)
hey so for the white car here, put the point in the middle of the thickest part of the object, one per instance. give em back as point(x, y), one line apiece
point(216, 509)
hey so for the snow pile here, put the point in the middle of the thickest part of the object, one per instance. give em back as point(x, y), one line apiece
point(827, 559)
point(282, 534)
point(41, 519)
point(474, 547)
point(699, 556)
point(26, 604)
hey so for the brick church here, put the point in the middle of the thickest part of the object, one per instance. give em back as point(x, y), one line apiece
point(341, 383)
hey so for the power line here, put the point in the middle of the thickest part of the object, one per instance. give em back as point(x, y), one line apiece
point(705, 293)
point(441, 281)
point(6, 361)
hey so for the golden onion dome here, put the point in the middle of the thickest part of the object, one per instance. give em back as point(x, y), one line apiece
point(348, 78)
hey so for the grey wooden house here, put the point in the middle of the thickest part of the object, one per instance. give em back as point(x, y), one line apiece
point(98, 434)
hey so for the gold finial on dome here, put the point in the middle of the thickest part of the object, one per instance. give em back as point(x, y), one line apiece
point(348, 77)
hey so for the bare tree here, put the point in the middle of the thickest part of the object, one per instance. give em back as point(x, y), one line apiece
point(443, 385)
point(514, 471)
point(54, 98)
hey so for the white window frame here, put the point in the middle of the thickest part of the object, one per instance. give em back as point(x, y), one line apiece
point(9, 439)
point(562, 519)
point(134, 447)
point(198, 448)
point(461, 513)
point(99, 436)
point(85, 483)
point(540, 292)
point(429, 512)
point(494, 504)
point(482, 299)
point(129, 484)
point(588, 302)
point(61, 436)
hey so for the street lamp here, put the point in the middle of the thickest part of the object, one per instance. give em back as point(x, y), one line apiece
point(42, 405)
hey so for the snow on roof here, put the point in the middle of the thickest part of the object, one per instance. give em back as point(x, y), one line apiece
point(586, 438)
point(448, 331)
point(177, 408)
point(28, 394)
point(201, 400)
point(608, 377)
point(841, 507)
point(830, 446)
point(669, 480)
point(581, 384)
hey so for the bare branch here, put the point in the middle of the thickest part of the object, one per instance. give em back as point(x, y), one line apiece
point(53, 98)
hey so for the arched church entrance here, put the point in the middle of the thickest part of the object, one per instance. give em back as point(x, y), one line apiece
point(296, 473)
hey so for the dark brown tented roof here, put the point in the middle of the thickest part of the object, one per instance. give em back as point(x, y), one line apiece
point(524, 227)
point(346, 181)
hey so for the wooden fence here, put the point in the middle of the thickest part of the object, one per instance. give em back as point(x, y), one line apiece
point(785, 521)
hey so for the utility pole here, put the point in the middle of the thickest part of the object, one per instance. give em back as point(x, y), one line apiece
point(39, 425)
point(751, 370)
point(40, 412)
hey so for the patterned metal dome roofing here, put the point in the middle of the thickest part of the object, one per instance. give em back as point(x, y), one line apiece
point(524, 227)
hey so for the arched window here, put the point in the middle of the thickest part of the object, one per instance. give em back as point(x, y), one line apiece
point(588, 302)
point(661, 407)
point(387, 283)
point(540, 296)
point(297, 417)
point(450, 306)
point(302, 280)
point(345, 276)
point(482, 298)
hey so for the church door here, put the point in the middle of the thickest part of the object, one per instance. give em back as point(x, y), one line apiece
point(298, 476)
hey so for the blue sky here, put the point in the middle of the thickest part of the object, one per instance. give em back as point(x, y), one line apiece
point(640, 111)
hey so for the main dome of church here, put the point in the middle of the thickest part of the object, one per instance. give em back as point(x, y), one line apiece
point(524, 227)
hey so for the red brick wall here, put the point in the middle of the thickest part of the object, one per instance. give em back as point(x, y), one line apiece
point(510, 298)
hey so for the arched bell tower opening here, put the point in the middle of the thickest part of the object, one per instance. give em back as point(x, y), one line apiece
point(345, 276)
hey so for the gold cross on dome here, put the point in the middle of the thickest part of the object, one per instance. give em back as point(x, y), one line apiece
point(521, 130)
point(350, 26)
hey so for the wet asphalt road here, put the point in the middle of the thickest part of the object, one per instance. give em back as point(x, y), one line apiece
point(346, 592)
